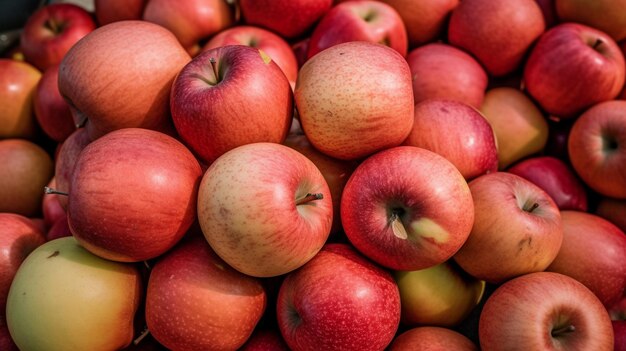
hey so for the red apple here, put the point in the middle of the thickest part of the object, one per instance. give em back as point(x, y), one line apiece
point(618, 310)
point(619, 331)
point(597, 148)
point(52, 112)
point(565, 56)
point(338, 301)
point(549, 12)
point(458, 132)
point(359, 20)
point(613, 210)
point(264, 208)
point(265, 340)
point(431, 338)
point(18, 82)
point(497, 33)
point(240, 96)
point(65, 162)
point(605, 15)
point(51, 206)
point(107, 11)
point(517, 229)
point(6, 342)
point(143, 213)
point(195, 301)
point(59, 229)
point(52, 30)
point(350, 95)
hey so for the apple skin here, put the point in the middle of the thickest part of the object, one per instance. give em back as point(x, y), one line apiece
point(6, 343)
point(556, 178)
point(51, 207)
point(51, 31)
point(619, 331)
point(432, 338)
point(584, 235)
point(249, 101)
point(108, 11)
point(613, 210)
point(359, 20)
point(240, 197)
point(442, 71)
point(61, 278)
point(334, 114)
point(523, 314)
point(265, 340)
point(392, 218)
point(18, 82)
point(483, 27)
point(52, 112)
point(114, 85)
point(144, 213)
point(605, 15)
point(516, 222)
point(65, 162)
point(59, 229)
point(597, 148)
point(583, 52)
point(458, 132)
point(215, 306)
point(338, 300)
point(272, 44)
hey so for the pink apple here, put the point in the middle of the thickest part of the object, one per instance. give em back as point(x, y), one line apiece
point(613, 210)
point(108, 11)
point(458, 132)
point(339, 300)
point(65, 162)
point(430, 338)
point(52, 112)
point(240, 96)
point(18, 82)
point(565, 56)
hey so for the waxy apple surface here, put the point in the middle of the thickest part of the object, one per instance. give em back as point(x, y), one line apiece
point(429, 338)
point(51, 110)
point(18, 82)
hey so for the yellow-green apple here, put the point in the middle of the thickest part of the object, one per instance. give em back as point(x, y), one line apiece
point(143, 213)
point(517, 229)
point(192, 21)
point(594, 253)
point(334, 115)
point(338, 301)
point(26, 170)
point(458, 132)
point(556, 178)
point(65, 298)
point(265, 340)
point(18, 82)
point(115, 85)
point(65, 162)
point(431, 338)
point(52, 112)
point(613, 210)
point(288, 18)
point(107, 11)
point(544, 311)
point(52, 30)
point(195, 301)
point(497, 33)
point(442, 71)
point(270, 43)
point(264, 208)
point(597, 148)
point(520, 127)
point(235, 93)
point(442, 295)
point(391, 217)
point(359, 20)
point(573, 50)
point(605, 15)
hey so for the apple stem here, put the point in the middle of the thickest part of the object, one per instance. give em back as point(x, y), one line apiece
point(560, 331)
point(397, 226)
point(82, 122)
point(597, 43)
point(52, 25)
point(215, 71)
point(532, 207)
point(145, 263)
point(49, 190)
point(141, 336)
point(308, 198)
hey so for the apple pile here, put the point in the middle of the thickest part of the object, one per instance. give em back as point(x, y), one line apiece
point(315, 175)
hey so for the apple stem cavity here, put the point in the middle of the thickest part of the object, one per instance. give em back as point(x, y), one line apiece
point(215, 70)
point(397, 226)
point(141, 336)
point(563, 330)
point(531, 208)
point(49, 190)
point(308, 198)
point(597, 44)
point(55, 27)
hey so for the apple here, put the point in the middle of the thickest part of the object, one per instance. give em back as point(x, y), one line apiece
point(338, 301)
point(65, 298)
point(458, 132)
point(597, 148)
point(145, 212)
point(544, 311)
point(442, 295)
point(350, 95)
point(107, 11)
point(52, 30)
point(59, 229)
point(359, 20)
point(584, 235)
point(567, 54)
point(300, 49)
point(520, 127)
point(604, 15)
point(431, 338)
point(65, 162)
point(240, 96)
point(287, 18)
point(618, 310)
point(115, 85)
point(52, 112)
point(613, 210)
point(264, 208)
point(497, 33)
point(51, 207)
point(391, 216)
point(18, 82)
point(517, 229)
point(26, 170)
point(191, 21)
point(214, 306)
point(556, 178)
point(619, 331)
point(442, 71)
point(265, 340)
point(270, 43)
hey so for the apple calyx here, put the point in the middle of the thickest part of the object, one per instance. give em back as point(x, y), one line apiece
point(561, 331)
point(597, 44)
point(609, 144)
point(49, 190)
point(395, 221)
point(308, 198)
